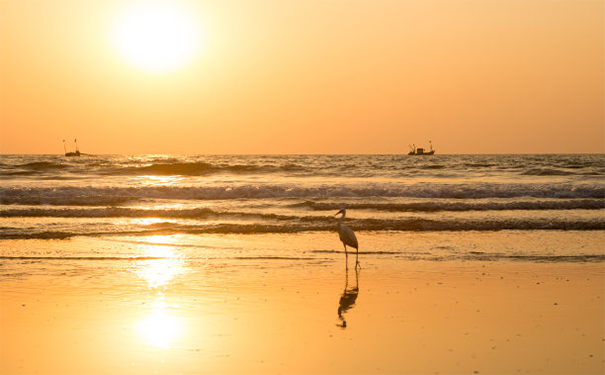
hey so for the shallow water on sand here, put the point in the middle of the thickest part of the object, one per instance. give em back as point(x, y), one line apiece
point(275, 303)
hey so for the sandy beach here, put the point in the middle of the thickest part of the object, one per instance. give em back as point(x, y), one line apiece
point(162, 312)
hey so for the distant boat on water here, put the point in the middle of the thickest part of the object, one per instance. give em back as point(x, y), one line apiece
point(71, 153)
point(421, 151)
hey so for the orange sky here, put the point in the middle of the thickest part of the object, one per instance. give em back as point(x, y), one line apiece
point(300, 76)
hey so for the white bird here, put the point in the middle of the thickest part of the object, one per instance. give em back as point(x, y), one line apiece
point(347, 236)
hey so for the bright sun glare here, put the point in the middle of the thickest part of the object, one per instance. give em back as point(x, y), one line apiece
point(157, 36)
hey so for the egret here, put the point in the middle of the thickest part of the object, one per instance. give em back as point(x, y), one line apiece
point(347, 236)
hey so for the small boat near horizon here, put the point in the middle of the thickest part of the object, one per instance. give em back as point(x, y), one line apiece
point(71, 153)
point(420, 150)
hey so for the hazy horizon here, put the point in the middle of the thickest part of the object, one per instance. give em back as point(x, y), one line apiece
point(318, 154)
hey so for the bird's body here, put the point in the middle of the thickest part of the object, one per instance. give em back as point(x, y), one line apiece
point(347, 236)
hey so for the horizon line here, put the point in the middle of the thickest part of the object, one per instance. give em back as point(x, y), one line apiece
point(318, 154)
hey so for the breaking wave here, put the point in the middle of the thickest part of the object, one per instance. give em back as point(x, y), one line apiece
point(202, 168)
point(435, 206)
point(92, 196)
point(54, 166)
point(110, 211)
point(311, 225)
point(53, 197)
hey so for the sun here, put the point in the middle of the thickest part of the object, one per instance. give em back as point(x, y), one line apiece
point(157, 36)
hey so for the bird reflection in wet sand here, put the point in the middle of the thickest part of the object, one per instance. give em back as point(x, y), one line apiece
point(347, 236)
point(348, 297)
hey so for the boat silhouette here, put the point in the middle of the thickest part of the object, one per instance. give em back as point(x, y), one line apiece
point(71, 153)
point(421, 151)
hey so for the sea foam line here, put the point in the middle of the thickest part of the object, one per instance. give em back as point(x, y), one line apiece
point(91, 196)
point(79, 258)
point(203, 212)
point(296, 226)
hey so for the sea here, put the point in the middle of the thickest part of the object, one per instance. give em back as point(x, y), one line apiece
point(52, 199)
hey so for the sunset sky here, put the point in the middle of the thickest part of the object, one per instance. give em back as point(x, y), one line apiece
point(301, 76)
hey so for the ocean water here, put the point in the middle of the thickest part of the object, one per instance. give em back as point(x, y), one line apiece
point(52, 197)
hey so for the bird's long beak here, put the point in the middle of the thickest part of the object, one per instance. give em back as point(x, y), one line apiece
point(339, 212)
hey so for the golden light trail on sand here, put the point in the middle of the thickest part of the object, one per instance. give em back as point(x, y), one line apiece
point(161, 327)
point(159, 272)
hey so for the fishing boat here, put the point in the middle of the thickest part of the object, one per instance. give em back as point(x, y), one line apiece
point(421, 151)
point(71, 153)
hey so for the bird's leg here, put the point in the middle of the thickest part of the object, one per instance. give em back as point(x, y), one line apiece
point(346, 255)
point(357, 259)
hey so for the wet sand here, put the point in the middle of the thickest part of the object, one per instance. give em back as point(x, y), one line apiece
point(271, 316)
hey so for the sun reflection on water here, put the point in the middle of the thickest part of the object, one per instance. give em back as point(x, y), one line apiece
point(149, 221)
point(161, 327)
point(160, 180)
point(165, 265)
